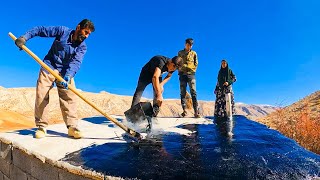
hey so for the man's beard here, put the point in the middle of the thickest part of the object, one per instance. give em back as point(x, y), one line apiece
point(80, 38)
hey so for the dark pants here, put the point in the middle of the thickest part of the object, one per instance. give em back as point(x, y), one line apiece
point(191, 80)
point(145, 79)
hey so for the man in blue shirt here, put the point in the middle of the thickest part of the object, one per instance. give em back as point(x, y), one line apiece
point(65, 57)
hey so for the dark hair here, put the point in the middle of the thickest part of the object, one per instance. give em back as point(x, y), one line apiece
point(86, 23)
point(189, 41)
point(177, 61)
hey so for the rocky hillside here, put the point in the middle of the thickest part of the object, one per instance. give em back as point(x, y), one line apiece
point(299, 121)
point(309, 105)
point(17, 107)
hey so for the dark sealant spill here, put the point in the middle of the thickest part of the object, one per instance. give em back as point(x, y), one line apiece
point(253, 152)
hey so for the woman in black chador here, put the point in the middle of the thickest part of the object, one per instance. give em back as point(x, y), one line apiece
point(224, 85)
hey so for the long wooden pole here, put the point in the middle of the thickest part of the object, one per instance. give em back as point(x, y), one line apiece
point(74, 90)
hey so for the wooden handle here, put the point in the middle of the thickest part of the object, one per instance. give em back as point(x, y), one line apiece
point(73, 89)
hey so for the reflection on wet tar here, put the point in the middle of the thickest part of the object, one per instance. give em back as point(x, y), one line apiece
point(247, 150)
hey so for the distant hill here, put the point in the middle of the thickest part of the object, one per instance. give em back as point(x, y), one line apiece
point(19, 103)
point(309, 104)
point(299, 121)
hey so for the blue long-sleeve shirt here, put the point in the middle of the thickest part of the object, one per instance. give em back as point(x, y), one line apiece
point(64, 55)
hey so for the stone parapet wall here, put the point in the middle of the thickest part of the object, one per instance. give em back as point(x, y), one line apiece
point(17, 163)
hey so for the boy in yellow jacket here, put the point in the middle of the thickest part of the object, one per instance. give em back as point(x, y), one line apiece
point(187, 76)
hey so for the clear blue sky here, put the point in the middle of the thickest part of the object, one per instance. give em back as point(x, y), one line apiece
point(273, 46)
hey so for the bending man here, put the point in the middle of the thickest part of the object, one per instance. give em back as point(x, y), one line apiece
point(152, 73)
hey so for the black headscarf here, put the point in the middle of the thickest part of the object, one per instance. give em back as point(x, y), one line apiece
point(224, 75)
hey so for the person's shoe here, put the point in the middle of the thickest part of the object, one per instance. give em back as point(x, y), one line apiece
point(40, 133)
point(184, 114)
point(74, 132)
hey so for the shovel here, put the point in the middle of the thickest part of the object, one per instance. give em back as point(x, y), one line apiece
point(133, 134)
